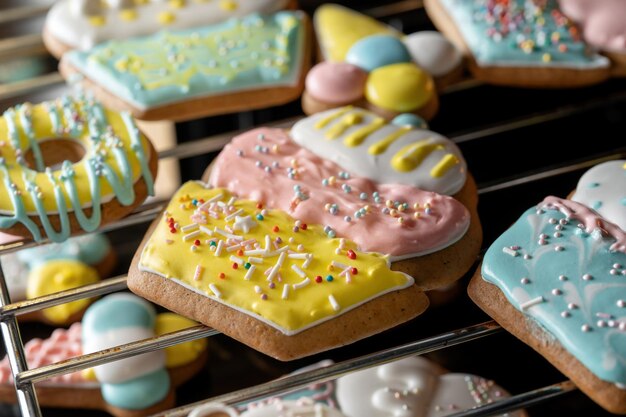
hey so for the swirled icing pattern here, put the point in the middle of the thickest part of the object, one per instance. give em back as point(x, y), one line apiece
point(171, 66)
point(364, 144)
point(413, 387)
point(565, 267)
point(603, 188)
point(521, 32)
point(261, 262)
point(397, 219)
point(116, 156)
point(82, 24)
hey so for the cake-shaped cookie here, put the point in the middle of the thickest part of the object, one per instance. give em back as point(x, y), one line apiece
point(370, 64)
point(526, 43)
point(603, 26)
point(557, 280)
point(392, 188)
point(284, 287)
point(83, 24)
point(70, 165)
point(132, 387)
point(244, 63)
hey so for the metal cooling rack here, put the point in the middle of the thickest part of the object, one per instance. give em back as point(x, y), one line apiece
point(486, 133)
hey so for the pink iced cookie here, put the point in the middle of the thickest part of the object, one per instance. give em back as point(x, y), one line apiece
point(336, 82)
point(603, 22)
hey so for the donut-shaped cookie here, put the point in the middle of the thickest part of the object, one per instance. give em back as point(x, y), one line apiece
point(69, 165)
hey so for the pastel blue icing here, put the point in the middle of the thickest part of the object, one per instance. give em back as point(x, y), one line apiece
point(89, 249)
point(408, 119)
point(238, 54)
point(377, 51)
point(602, 349)
point(470, 17)
point(117, 311)
point(139, 393)
point(596, 205)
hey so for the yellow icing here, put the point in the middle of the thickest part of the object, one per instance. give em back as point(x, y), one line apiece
point(128, 15)
point(322, 123)
point(177, 4)
point(400, 87)
point(43, 130)
point(411, 156)
point(170, 255)
point(97, 20)
point(338, 128)
point(165, 18)
point(89, 374)
point(444, 165)
point(228, 5)
point(356, 138)
point(60, 275)
point(339, 28)
point(182, 353)
point(382, 145)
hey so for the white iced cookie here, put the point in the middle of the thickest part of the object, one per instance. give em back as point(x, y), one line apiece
point(364, 144)
point(412, 387)
point(278, 408)
point(433, 52)
point(603, 188)
point(82, 24)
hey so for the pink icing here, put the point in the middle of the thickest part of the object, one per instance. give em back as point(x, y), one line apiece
point(603, 21)
point(4, 238)
point(236, 169)
point(62, 344)
point(589, 219)
point(336, 82)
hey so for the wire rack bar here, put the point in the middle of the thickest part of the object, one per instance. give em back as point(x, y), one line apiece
point(20, 88)
point(34, 304)
point(22, 12)
point(333, 371)
point(394, 8)
point(25, 45)
point(79, 363)
point(516, 402)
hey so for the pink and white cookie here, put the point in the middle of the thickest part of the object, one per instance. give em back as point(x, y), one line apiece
point(369, 64)
point(83, 24)
point(390, 187)
point(604, 27)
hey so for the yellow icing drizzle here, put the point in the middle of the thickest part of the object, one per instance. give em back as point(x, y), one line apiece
point(399, 87)
point(339, 28)
point(228, 5)
point(444, 165)
point(182, 353)
point(326, 120)
point(410, 156)
point(286, 296)
point(177, 4)
point(60, 275)
point(97, 21)
point(338, 128)
point(382, 145)
point(128, 15)
point(165, 18)
point(356, 138)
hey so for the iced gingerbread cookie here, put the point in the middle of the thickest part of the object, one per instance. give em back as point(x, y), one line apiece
point(70, 165)
point(603, 188)
point(525, 43)
point(83, 24)
point(243, 63)
point(370, 64)
point(557, 280)
point(414, 387)
point(392, 188)
point(133, 387)
point(603, 25)
point(283, 287)
point(47, 269)
point(276, 408)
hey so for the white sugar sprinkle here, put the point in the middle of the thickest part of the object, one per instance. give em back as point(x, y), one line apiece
point(298, 271)
point(192, 226)
point(510, 251)
point(191, 235)
point(285, 291)
point(215, 291)
point(301, 284)
point(530, 303)
point(334, 303)
point(249, 272)
point(236, 259)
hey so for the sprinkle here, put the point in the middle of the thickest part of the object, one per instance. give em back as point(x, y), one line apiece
point(351, 254)
point(220, 246)
point(249, 273)
point(334, 303)
point(319, 279)
point(562, 278)
point(525, 281)
point(621, 303)
point(572, 306)
point(228, 235)
point(233, 248)
point(329, 278)
point(215, 291)
point(258, 289)
point(585, 328)
point(236, 260)
point(339, 265)
point(233, 215)
point(565, 314)
point(559, 248)
point(211, 200)
point(259, 217)
point(254, 260)
point(198, 274)
point(301, 284)
point(307, 262)
point(298, 271)
point(587, 277)
point(556, 291)
point(298, 255)
point(189, 227)
point(191, 235)
point(530, 303)
point(509, 251)
point(285, 294)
